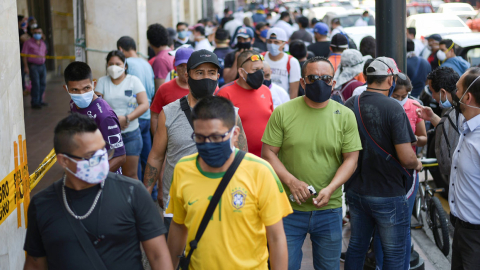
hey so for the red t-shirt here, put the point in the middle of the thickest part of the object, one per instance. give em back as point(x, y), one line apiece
point(166, 94)
point(255, 108)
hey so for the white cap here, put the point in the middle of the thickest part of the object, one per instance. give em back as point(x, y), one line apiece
point(278, 32)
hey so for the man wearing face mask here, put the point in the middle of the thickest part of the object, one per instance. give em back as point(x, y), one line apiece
point(285, 68)
point(447, 58)
point(92, 219)
point(311, 124)
point(182, 35)
point(378, 185)
point(245, 40)
point(34, 65)
point(363, 21)
point(434, 45)
point(201, 42)
point(172, 139)
point(251, 97)
point(250, 209)
point(80, 87)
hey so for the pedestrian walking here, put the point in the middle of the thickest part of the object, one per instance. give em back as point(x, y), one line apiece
point(417, 69)
point(92, 219)
point(279, 95)
point(312, 144)
point(447, 57)
point(162, 63)
point(434, 46)
point(321, 47)
point(338, 44)
point(254, 201)
point(349, 74)
point(245, 40)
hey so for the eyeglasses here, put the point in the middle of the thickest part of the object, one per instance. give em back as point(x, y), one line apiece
point(326, 78)
point(198, 138)
point(253, 58)
point(95, 159)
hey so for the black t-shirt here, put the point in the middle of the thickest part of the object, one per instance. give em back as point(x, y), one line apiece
point(303, 35)
point(321, 48)
point(388, 124)
point(260, 45)
point(124, 216)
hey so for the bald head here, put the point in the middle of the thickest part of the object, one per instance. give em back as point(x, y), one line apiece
point(267, 71)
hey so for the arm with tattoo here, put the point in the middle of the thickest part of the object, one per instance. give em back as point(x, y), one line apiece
point(157, 154)
point(242, 138)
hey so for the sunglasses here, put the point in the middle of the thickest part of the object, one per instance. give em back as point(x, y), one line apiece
point(253, 58)
point(326, 78)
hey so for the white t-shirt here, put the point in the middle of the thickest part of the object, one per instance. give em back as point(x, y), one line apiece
point(361, 22)
point(286, 27)
point(419, 46)
point(280, 74)
point(120, 97)
point(359, 90)
point(203, 45)
point(337, 30)
point(279, 95)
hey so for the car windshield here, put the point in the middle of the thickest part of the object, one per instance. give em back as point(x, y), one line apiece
point(418, 10)
point(350, 20)
point(441, 23)
point(459, 9)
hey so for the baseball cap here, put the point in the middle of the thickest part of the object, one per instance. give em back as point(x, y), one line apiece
point(436, 37)
point(339, 41)
point(278, 32)
point(384, 66)
point(245, 32)
point(201, 57)
point(336, 21)
point(182, 55)
point(321, 28)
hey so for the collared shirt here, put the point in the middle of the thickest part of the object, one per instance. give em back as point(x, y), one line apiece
point(31, 47)
point(464, 194)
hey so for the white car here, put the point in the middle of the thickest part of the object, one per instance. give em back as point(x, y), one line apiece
point(319, 12)
point(462, 10)
point(437, 23)
point(359, 32)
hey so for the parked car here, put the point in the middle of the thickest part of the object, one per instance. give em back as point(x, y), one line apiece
point(419, 8)
point(359, 32)
point(474, 23)
point(463, 10)
point(348, 18)
point(319, 12)
point(467, 46)
point(437, 23)
point(436, 4)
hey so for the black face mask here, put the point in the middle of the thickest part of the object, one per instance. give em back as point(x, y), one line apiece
point(255, 80)
point(267, 82)
point(202, 88)
point(244, 45)
point(318, 91)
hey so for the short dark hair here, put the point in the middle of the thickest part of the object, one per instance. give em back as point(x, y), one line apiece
point(368, 46)
point(403, 83)
point(284, 15)
point(303, 21)
point(214, 107)
point(77, 71)
point(67, 128)
point(36, 28)
point(127, 43)
point(157, 35)
point(298, 49)
point(443, 77)
point(120, 55)
point(222, 34)
point(375, 78)
point(244, 56)
point(365, 12)
point(20, 17)
point(471, 75)
point(412, 31)
point(314, 21)
point(314, 60)
point(410, 45)
point(260, 25)
point(200, 29)
point(365, 66)
point(446, 42)
point(181, 23)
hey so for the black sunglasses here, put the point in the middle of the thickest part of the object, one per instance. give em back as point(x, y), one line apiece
point(326, 78)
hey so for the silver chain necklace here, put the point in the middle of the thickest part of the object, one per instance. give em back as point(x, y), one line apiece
point(91, 208)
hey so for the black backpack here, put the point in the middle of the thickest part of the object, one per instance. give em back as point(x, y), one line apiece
point(446, 139)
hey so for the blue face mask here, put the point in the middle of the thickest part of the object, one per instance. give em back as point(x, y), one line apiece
point(215, 154)
point(183, 34)
point(37, 36)
point(264, 33)
point(444, 104)
point(82, 100)
point(366, 19)
point(273, 49)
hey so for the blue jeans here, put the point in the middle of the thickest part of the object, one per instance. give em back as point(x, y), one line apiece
point(325, 229)
point(408, 245)
point(38, 77)
point(133, 142)
point(388, 215)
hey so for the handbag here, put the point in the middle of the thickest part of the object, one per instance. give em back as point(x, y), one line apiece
point(185, 261)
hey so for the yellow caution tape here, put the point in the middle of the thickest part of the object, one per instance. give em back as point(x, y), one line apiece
point(16, 186)
point(63, 13)
point(72, 57)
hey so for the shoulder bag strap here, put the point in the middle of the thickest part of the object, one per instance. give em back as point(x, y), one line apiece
point(82, 237)
point(186, 109)
point(213, 204)
point(384, 154)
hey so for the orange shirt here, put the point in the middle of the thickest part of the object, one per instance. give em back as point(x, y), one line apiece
point(335, 59)
point(255, 108)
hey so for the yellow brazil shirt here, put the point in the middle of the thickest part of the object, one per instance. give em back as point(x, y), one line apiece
point(235, 237)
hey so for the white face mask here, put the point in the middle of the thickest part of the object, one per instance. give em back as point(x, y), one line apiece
point(441, 55)
point(115, 71)
point(401, 102)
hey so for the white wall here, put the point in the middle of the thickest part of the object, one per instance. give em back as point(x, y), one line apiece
point(12, 125)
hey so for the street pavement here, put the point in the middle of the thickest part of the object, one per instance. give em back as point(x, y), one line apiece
point(39, 127)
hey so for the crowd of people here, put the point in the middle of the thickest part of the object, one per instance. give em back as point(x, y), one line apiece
point(277, 118)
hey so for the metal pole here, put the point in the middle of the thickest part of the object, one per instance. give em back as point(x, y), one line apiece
point(390, 22)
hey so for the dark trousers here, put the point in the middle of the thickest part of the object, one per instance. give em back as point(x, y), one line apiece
point(38, 77)
point(465, 247)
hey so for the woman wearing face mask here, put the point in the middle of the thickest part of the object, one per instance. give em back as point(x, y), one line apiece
point(127, 97)
point(400, 94)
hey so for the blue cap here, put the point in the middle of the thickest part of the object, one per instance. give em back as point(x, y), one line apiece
point(261, 7)
point(436, 37)
point(321, 28)
point(245, 32)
